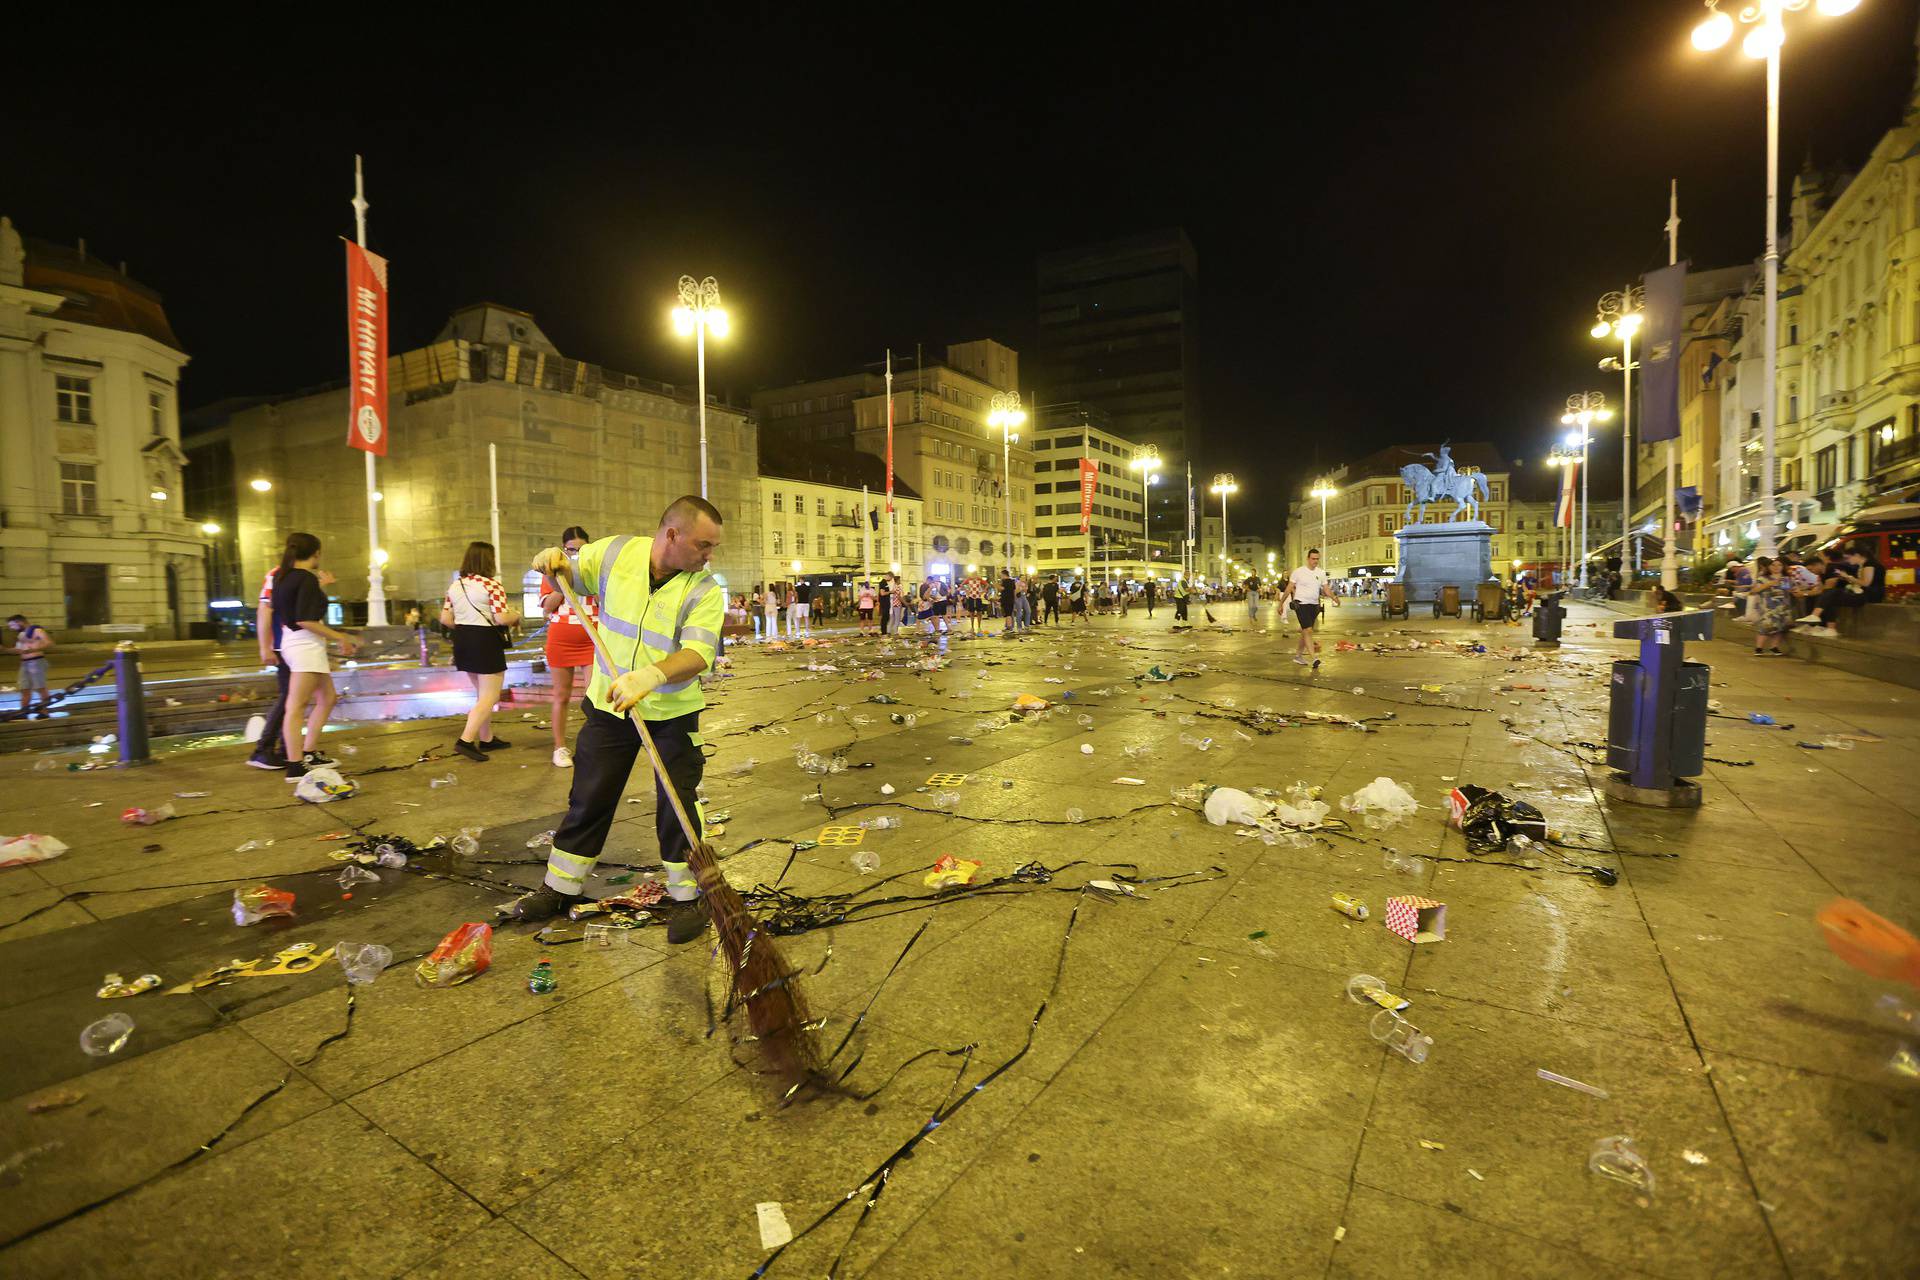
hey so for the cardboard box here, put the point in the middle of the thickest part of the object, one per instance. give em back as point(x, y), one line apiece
point(1417, 919)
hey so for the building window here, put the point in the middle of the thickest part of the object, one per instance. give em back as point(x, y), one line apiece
point(157, 412)
point(779, 502)
point(79, 489)
point(73, 399)
point(778, 541)
point(820, 506)
point(840, 548)
point(1826, 468)
point(820, 541)
point(909, 519)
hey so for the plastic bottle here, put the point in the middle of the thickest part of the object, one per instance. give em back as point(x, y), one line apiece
point(882, 824)
point(542, 981)
point(104, 1038)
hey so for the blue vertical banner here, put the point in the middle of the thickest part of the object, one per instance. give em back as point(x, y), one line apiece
point(1660, 359)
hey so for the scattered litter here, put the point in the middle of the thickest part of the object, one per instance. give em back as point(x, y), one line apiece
point(1401, 1036)
point(191, 795)
point(324, 784)
point(1086, 748)
point(1475, 1175)
point(886, 823)
point(1432, 1146)
point(1417, 919)
point(541, 981)
point(1617, 1158)
point(10, 1167)
point(774, 1231)
point(950, 871)
point(20, 851)
point(1227, 804)
point(1554, 1077)
point(54, 1101)
point(351, 875)
point(1489, 820)
point(1382, 803)
point(1693, 1157)
point(1348, 905)
point(886, 788)
point(445, 780)
point(106, 1037)
point(1405, 863)
point(467, 843)
point(1364, 988)
point(363, 961)
point(1119, 889)
point(138, 817)
point(865, 861)
point(545, 838)
point(1076, 815)
point(464, 953)
point(250, 906)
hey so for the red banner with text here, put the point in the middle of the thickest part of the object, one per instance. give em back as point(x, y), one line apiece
point(1088, 477)
point(366, 350)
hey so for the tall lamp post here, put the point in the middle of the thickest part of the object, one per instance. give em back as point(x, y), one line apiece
point(1146, 461)
point(1007, 413)
point(1323, 489)
point(1224, 484)
point(1583, 410)
point(1768, 20)
point(1619, 315)
point(698, 313)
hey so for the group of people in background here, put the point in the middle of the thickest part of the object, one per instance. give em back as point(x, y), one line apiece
point(1778, 593)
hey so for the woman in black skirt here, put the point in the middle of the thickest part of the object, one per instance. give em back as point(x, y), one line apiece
point(476, 608)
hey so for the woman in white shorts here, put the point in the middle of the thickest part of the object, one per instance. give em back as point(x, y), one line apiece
point(299, 621)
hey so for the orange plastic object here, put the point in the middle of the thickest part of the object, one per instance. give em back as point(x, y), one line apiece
point(465, 953)
point(1870, 942)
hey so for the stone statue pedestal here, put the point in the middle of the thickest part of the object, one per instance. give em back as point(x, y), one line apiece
point(1458, 553)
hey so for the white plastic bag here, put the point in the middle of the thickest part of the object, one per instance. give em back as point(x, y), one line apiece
point(1381, 803)
point(18, 851)
point(1227, 804)
point(323, 784)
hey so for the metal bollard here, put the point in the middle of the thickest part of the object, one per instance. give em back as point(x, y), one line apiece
point(425, 661)
point(130, 703)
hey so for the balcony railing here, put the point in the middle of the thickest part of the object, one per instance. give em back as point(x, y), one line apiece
point(1885, 454)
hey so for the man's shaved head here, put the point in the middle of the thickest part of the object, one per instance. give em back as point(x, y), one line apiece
point(688, 536)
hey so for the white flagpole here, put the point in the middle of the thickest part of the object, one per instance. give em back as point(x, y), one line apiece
point(1670, 555)
point(493, 490)
point(376, 581)
point(866, 540)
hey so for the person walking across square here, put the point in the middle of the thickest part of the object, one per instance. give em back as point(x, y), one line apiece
point(1306, 590)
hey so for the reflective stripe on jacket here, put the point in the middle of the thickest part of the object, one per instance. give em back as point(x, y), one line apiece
point(639, 625)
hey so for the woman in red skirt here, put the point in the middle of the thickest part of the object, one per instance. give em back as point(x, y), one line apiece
point(568, 648)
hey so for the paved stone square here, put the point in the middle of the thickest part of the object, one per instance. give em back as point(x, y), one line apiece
point(1200, 1097)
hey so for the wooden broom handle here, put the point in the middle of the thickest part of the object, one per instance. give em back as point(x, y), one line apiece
point(633, 712)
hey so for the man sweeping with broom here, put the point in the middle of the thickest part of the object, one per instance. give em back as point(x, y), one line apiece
point(660, 617)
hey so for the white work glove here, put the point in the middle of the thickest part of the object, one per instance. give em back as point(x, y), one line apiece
point(632, 686)
point(554, 563)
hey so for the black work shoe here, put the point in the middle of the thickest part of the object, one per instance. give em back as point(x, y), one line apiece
point(543, 903)
point(464, 748)
point(295, 771)
point(687, 921)
point(495, 744)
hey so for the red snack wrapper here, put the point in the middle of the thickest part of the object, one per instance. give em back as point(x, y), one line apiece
point(462, 954)
point(250, 906)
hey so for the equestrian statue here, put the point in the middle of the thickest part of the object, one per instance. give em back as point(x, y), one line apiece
point(1443, 482)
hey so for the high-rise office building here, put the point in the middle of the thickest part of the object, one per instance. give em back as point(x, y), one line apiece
point(1119, 331)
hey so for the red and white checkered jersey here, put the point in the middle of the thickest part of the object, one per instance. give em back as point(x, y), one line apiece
point(474, 600)
point(564, 615)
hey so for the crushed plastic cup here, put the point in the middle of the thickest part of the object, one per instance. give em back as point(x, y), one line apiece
point(946, 799)
point(541, 841)
point(363, 961)
point(1401, 1036)
point(1085, 722)
point(446, 780)
point(390, 857)
point(1619, 1159)
point(47, 765)
point(351, 875)
point(1076, 815)
point(865, 861)
point(106, 1037)
point(886, 823)
point(1405, 863)
point(1086, 748)
point(1364, 988)
point(467, 843)
point(1138, 751)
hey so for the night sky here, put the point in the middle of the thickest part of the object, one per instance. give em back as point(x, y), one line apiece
point(1403, 214)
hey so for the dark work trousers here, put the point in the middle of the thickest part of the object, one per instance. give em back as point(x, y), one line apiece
point(271, 746)
point(604, 754)
point(1180, 608)
point(1052, 611)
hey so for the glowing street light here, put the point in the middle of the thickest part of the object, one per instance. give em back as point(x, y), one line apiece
point(1584, 408)
point(259, 484)
point(210, 528)
point(1007, 413)
point(698, 314)
point(1620, 314)
point(1768, 20)
point(1323, 489)
point(1225, 485)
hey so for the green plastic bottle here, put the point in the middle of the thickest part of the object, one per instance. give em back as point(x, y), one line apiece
point(542, 980)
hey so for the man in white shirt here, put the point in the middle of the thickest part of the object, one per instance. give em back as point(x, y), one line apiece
point(1306, 590)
